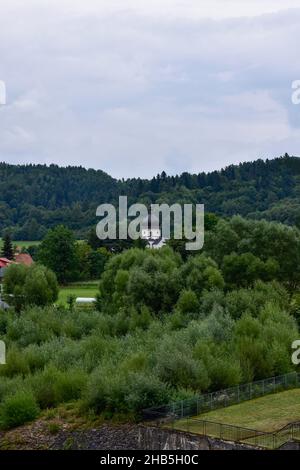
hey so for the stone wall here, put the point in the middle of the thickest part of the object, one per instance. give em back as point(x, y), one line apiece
point(155, 438)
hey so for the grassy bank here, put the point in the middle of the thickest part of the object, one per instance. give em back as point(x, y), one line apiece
point(268, 414)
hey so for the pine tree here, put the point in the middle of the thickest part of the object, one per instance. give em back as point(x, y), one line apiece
point(7, 250)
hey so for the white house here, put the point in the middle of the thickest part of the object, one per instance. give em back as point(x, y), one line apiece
point(152, 233)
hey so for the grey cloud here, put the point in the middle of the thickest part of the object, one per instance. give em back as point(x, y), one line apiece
point(135, 93)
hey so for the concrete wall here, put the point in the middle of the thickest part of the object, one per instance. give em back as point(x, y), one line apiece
point(155, 438)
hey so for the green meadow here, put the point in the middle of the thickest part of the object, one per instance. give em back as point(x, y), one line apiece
point(269, 413)
point(83, 289)
point(22, 243)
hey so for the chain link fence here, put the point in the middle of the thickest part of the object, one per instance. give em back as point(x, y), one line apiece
point(223, 398)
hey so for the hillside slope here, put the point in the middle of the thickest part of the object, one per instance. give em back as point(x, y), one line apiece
point(34, 198)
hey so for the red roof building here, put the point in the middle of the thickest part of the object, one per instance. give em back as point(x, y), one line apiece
point(24, 258)
point(4, 262)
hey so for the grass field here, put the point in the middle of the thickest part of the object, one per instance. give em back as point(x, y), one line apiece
point(88, 289)
point(22, 244)
point(269, 413)
point(26, 244)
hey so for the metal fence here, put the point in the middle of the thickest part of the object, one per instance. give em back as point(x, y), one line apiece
point(221, 399)
point(237, 434)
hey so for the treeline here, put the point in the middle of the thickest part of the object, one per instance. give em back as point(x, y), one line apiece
point(244, 250)
point(35, 198)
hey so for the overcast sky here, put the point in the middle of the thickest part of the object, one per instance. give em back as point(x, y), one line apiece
point(135, 87)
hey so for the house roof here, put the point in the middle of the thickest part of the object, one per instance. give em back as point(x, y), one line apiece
point(24, 258)
point(4, 262)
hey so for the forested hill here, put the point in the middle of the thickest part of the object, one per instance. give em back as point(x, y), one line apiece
point(34, 198)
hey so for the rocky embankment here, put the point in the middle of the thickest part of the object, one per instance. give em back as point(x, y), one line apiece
point(41, 436)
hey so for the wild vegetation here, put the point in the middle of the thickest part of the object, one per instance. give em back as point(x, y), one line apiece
point(164, 327)
point(168, 324)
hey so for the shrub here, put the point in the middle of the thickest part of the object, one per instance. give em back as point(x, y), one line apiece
point(29, 328)
point(105, 390)
point(53, 428)
point(179, 369)
point(201, 273)
point(15, 364)
point(140, 319)
point(52, 386)
point(44, 385)
point(18, 409)
point(70, 385)
point(124, 392)
point(35, 357)
point(188, 302)
point(8, 385)
point(34, 285)
point(143, 391)
point(224, 373)
point(4, 319)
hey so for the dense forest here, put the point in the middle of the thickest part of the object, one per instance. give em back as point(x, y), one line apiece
point(35, 198)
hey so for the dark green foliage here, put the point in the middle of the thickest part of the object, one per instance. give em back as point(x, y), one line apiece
point(250, 250)
point(53, 386)
point(245, 269)
point(58, 252)
point(33, 285)
point(18, 409)
point(155, 279)
point(109, 393)
point(90, 262)
point(71, 302)
point(35, 198)
point(7, 249)
point(188, 302)
point(295, 306)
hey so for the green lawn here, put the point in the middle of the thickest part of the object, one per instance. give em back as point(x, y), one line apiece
point(26, 244)
point(88, 289)
point(22, 244)
point(269, 413)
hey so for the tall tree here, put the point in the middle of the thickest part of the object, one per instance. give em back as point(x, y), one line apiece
point(58, 252)
point(7, 250)
point(30, 285)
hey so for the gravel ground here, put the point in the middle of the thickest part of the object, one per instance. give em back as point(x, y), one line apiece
point(104, 438)
point(37, 436)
